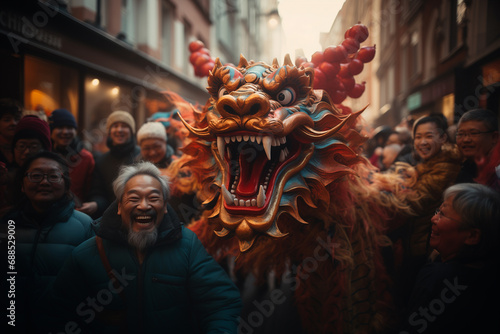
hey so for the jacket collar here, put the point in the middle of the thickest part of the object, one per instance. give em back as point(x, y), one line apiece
point(109, 226)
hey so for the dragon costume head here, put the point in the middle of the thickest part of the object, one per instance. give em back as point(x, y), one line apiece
point(271, 136)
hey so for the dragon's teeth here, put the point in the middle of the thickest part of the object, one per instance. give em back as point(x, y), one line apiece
point(227, 195)
point(282, 156)
point(221, 146)
point(261, 197)
point(266, 143)
point(258, 139)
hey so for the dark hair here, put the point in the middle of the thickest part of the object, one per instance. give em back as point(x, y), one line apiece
point(438, 119)
point(27, 164)
point(10, 106)
point(487, 117)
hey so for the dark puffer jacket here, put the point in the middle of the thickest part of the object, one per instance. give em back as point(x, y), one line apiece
point(178, 288)
point(42, 244)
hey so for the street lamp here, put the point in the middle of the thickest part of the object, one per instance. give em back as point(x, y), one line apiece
point(273, 18)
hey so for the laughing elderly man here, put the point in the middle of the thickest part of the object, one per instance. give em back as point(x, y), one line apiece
point(144, 272)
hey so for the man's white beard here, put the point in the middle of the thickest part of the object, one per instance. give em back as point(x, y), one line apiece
point(142, 239)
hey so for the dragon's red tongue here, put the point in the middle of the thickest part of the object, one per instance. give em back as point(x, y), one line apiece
point(251, 169)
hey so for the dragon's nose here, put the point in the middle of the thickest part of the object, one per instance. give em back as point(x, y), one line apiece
point(255, 104)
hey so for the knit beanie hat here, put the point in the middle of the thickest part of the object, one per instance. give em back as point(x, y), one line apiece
point(120, 116)
point(31, 126)
point(62, 117)
point(151, 130)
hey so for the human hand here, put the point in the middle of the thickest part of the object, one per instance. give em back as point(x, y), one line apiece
point(88, 208)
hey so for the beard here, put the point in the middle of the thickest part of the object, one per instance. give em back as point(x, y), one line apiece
point(142, 239)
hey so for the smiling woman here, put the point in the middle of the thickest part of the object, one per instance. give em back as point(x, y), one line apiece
point(457, 287)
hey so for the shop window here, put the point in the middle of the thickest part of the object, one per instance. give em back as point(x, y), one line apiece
point(49, 86)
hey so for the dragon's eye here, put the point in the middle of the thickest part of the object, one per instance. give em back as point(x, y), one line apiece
point(286, 96)
point(222, 91)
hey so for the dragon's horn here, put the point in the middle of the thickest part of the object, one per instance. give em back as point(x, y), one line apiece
point(243, 62)
point(287, 60)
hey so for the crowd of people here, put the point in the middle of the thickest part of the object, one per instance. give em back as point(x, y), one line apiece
point(92, 227)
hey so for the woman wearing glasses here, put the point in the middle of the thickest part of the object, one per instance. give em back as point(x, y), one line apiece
point(46, 228)
point(458, 290)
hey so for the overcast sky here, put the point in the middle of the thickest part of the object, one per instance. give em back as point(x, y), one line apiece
point(304, 20)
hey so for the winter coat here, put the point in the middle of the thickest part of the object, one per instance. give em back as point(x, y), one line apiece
point(179, 288)
point(107, 167)
point(42, 244)
point(432, 178)
point(454, 297)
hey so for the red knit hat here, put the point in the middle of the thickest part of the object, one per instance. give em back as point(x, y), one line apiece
point(31, 126)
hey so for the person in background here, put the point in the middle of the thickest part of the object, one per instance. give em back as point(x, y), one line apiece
point(32, 135)
point(156, 272)
point(389, 154)
point(10, 114)
point(47, 229)
point(66, 143)
point(375, 145)
point(406, 154)
point(152, 139)
point(477, 139)
point(120, 129)
point(457, 290)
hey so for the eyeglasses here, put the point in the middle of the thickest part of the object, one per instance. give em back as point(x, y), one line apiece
point(37, 177)
point(32, 148)
point(154, 148)
point(440, 214)
point(472, 134)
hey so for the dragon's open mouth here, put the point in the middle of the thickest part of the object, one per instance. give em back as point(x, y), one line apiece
point(252, 163)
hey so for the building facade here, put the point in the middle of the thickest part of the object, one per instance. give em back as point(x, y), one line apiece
point(93, 56)
point(442, 57)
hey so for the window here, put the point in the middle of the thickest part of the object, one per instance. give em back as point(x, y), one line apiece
point(404, 69)
point(128, 20)
point(414, 53)
point(166, 34)
point(492, 21)
point(49, 86)
point(457, 15)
